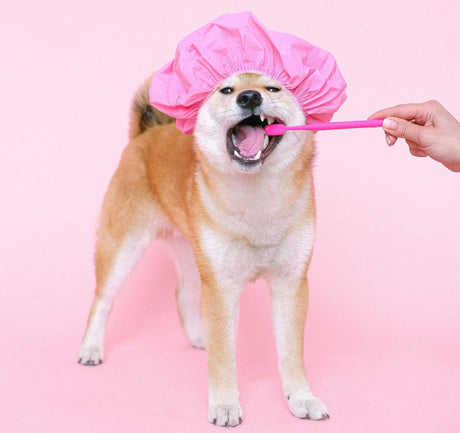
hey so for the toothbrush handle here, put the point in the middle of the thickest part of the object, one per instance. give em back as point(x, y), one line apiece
point(340, 125)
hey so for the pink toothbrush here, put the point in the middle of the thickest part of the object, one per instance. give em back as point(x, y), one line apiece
point(280, 129)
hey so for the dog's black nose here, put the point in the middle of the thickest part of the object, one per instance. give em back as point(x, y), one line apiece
point(249, 99)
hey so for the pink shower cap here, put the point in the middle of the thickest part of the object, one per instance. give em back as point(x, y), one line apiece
point(238, 43)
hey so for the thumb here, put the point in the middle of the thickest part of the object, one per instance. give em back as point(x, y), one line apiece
point(403, 129)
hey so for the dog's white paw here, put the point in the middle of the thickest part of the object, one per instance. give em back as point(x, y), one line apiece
point(194, 332)
point(90, 355)
point(309, 408)
point(225, 415)
point(197, 342)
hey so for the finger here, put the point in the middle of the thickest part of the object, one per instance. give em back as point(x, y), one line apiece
point(403, 129)
point(390, 139)
point(403, 111)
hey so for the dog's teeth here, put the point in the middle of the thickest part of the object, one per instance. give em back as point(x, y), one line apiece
point(266, 140)
point(270, 120)
point(234, 140)
point(253, 158)
point(256, 156)
point(262, 118)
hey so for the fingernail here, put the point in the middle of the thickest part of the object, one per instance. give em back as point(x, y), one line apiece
point(389, 140)
point(389, 124)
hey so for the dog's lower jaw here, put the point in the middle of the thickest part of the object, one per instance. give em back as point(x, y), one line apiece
point(247, 168)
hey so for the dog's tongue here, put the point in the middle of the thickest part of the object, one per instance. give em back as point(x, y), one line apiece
point(250, 140)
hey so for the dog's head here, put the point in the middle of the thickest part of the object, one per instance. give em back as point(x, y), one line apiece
point(229, 130)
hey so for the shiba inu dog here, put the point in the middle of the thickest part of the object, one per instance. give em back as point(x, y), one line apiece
point(235, 205)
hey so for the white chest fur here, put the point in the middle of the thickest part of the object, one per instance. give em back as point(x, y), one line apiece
point(259, 226)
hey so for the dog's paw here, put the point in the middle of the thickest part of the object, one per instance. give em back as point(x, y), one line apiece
point(194, 331)
point(91, 355)
point(309, 408)
point(197, 342)
point(225, 415)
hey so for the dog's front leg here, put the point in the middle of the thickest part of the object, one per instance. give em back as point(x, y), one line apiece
point(220, 306)
point(289, 310)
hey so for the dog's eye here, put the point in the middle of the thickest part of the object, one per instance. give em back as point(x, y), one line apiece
point(273, 89)
point(226, 90)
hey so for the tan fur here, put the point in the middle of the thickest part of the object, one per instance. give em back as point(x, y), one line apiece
point(127, 205)
point(156, 190)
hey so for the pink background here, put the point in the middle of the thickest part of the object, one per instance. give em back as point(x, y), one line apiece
point(382, 342)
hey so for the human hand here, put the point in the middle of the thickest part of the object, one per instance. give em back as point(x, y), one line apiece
point(428, 128)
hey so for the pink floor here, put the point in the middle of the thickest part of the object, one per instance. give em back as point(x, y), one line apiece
point(383, 331)
point(374, 377)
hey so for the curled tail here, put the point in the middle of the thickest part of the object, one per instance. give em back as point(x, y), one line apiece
point(143, 115)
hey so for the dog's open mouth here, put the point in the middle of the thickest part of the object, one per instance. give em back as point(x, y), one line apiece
point(247, 142)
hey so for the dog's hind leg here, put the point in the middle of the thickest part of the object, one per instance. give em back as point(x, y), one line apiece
point(188, 291)
point(125, 257)
point(129, 220)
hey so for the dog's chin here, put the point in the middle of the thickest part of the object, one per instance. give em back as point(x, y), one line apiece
point(251, 163)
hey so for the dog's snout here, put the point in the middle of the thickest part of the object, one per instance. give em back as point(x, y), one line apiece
point(249, 99)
